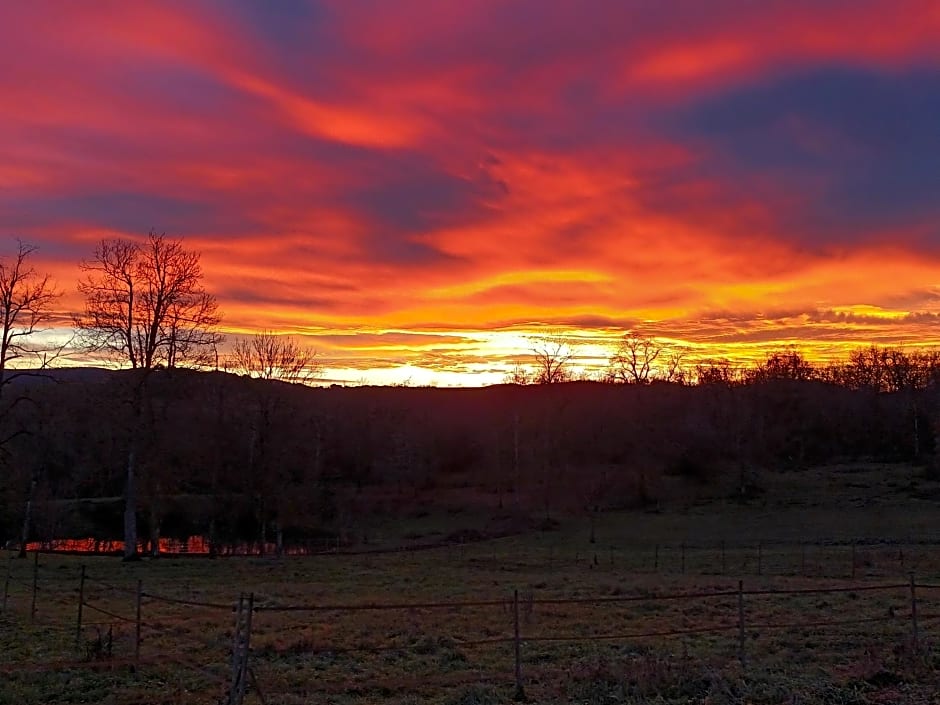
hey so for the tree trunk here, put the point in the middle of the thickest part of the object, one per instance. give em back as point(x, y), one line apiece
point(27, 518)
point(516, 477)
point(154, 532)
point(130, 488)
point(130, 507)
point(213, 549)
point(264, 531)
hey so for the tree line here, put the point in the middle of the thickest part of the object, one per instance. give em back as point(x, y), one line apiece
point(240, 459)
point(248, 451)
point(639, 359)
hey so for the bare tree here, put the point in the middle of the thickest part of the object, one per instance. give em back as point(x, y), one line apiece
point(146, 306)
point(717, 371)
point(553, 356)
point(269, 356)
point(26, 306)
point(786, 364)
point(672, 366)
point(640, 359)
point(145, 303)
point(519, 375)
point(27, 299)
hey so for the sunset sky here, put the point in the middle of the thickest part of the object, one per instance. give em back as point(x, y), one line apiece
point(416, 186)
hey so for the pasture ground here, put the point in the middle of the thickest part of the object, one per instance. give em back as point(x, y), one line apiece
point(426, 655)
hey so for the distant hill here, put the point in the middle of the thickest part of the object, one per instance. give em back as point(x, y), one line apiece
point(77, 375)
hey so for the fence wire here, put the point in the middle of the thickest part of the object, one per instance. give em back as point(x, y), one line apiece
point(49, 582)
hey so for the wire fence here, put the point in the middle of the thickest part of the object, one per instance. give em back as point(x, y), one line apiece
point(128, 622)
point(836, 558)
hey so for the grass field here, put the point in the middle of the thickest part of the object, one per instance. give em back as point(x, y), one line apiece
point(423, 655)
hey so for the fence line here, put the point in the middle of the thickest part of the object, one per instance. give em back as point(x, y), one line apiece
point(108, 613)
point(56, 582)
point(378, 606)
point(829, 590)
point(404, 606)
point(630, 598)
point(634, 635)
point(188, 603)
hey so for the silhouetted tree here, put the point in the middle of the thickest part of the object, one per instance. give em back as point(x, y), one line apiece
point(145, 303)
point(716, 372)
point(640, 359)
point(266, 355)
point(552, 357)
point(269, 357)
point(27, 299)
point(519, 374)
point(787, 364)
point(146, 306)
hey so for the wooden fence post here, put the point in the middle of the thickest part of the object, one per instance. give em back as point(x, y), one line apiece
point(913, 612)
point(760, 557)
point(742, 654)
point(802, 557)
point(32, 609)
point(682, 550)
point(241, 647)
point(247, 647)
point(236, 636)
point(520, 691)
point(724, 561)
point(656, 559)
point(81, 604)
point(853, 560)
point(140, 591)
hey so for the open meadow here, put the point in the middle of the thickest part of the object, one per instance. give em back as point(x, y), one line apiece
point(649, 612)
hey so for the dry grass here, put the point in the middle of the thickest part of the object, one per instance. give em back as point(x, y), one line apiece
point(421, 655)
